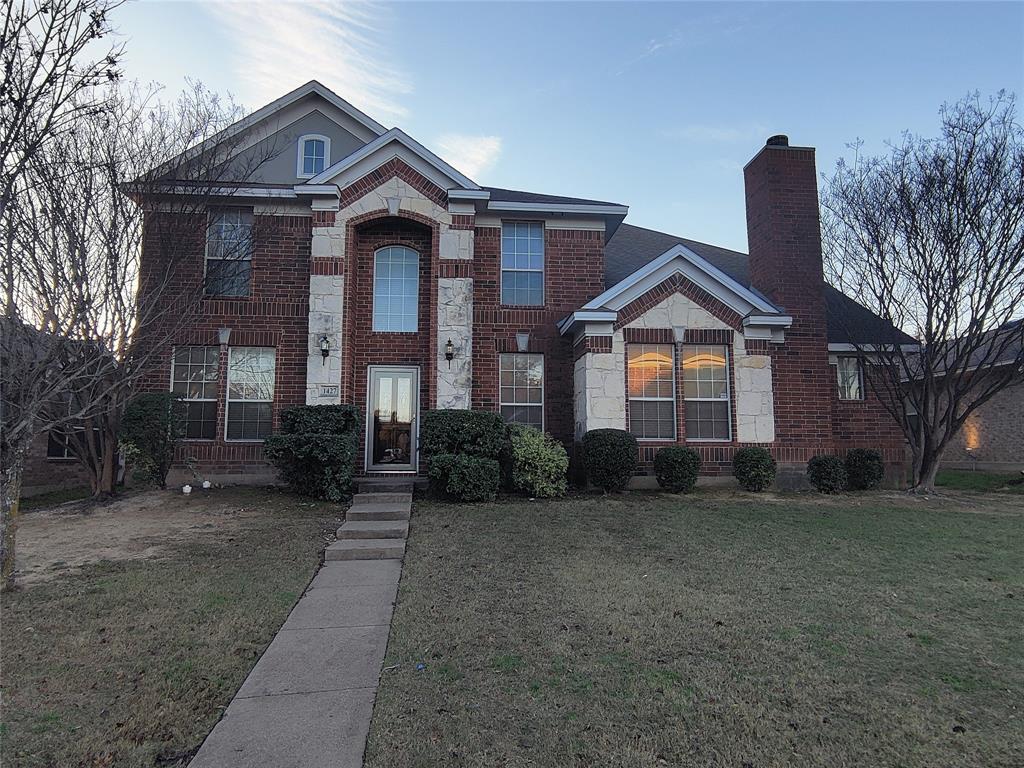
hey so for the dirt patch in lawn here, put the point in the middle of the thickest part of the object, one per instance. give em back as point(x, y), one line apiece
point(59, 540)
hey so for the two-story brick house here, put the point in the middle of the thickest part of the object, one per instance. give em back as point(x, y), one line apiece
point(385, 278)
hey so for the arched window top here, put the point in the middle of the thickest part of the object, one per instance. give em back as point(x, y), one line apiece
point(396, 284)
point(314, 155)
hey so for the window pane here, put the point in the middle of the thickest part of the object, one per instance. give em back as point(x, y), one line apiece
point(848, 370)
point(194, 372)
point(650, 370)
point(707, 420)
point(56, 445)
point(249, 421)
point(396, 290)
point(522, 262)
point(251, 373)
point(652, 419)
point(522, 402)
point(228, 277)
point(201, 420)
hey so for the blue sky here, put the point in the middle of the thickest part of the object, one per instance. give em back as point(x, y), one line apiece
point(657, 106)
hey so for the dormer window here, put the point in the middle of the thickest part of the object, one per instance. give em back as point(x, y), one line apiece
point(314, 155)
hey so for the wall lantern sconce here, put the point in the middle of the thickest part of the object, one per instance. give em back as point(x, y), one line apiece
point(223, 336)
point(325, 348)
point(449, 352)
point(522, 341)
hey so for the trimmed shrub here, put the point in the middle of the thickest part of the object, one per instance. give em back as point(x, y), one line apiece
point(152, 425)
point(676, 468)
point(539, 462)
point(464, 477)
point(864, 469)
point(609, 457)
point(316, 451)
point(754, 468)
point(827, 474)
point(478, 433)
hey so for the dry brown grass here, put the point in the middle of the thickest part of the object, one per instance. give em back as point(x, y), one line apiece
point(717, 629)
point(130, 662)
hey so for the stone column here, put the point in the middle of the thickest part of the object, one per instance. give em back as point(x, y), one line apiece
point(326, 306)
point(599, 384)
point(455, 319)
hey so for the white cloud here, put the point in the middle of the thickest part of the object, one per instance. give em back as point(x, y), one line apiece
point(277, 45)
point(472, 155)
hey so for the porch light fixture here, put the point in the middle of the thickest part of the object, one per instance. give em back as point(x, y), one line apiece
point(325, 348)
point(449, 352)
point(223, 336)
point(522, 341)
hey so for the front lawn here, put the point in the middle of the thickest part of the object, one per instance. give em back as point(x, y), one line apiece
point(716, 629)
point(129, 661)
point(972, 480)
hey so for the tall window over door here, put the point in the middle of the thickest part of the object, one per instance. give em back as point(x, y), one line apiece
point(194, 375)
point(250, 393)
point(522, 263)
point(652, 391)
point(396, 285)
point(706, 392)
point(522, 389)
point(229, 252)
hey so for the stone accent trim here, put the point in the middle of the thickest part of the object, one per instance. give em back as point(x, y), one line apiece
point(394, 167)
point(455, 322)
point(678, 284)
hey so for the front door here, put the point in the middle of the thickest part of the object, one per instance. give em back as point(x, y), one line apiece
point(391, 423)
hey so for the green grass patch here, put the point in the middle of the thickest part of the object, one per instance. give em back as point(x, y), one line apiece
point(968, 480)
point(131, 663)
point(644, 630)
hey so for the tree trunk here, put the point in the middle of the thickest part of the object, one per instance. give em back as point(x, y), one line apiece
point(10, 500)
point(924, 480)
point(108, 468)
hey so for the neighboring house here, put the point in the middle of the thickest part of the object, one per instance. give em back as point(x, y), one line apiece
point(385, 278)
point(992, 438)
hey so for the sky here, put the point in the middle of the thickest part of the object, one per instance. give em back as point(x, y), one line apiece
point(654, 105)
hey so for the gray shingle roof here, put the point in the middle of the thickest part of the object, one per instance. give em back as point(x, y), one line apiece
point(516, 196)
point(631, 247)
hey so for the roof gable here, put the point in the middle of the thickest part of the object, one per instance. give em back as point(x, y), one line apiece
point(390, 145)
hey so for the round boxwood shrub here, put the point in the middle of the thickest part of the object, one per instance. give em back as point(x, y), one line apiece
point(609, 457)
point(864, 469)
point(479, 433)
point(316, 450)
point(539, 462)
point(464, 477)
point(754, 468)
point(676, 468)
point(827, 474)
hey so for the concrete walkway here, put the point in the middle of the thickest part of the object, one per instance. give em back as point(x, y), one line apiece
point(309, 699)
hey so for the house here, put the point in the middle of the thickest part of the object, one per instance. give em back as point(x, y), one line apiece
point(385, 278)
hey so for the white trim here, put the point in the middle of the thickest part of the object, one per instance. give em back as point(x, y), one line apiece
point(398, 136)
point(215, 399)
point(186, 189)
point(317, 189)
point(675, 394)
point(543, 378)
point(846, 347)
point(705, 275)
point(727, 399)
point(468, 194)
point(781, 321)
point(368, 466)
point(604, 210)
point(586, 316)
point(301, 153)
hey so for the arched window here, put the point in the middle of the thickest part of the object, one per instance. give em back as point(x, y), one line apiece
point(314, 155)
point(396, 284)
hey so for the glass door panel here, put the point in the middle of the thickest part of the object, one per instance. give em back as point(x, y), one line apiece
point(391, 438)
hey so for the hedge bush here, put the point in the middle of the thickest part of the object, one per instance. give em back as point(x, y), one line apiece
point(478, 433)
point(864, 469)
point(754, 468)
point(609, 457)
point(827, 474)
point(464, 477)
point(316, 450)
point(676, 468)
point(539, 463)
point(152, 425)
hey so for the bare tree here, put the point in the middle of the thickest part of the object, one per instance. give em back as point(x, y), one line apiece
point(931, 238)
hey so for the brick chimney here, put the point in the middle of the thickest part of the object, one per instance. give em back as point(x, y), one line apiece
point(784, 238)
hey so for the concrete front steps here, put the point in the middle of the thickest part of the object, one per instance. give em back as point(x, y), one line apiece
point(376, 525)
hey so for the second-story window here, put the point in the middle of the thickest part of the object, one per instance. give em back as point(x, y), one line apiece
point(229, 252)
point(396, 285)
point(314, 155)
point(851, 384)
point(522, 263)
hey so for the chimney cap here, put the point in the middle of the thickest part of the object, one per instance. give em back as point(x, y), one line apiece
point(778, 140)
